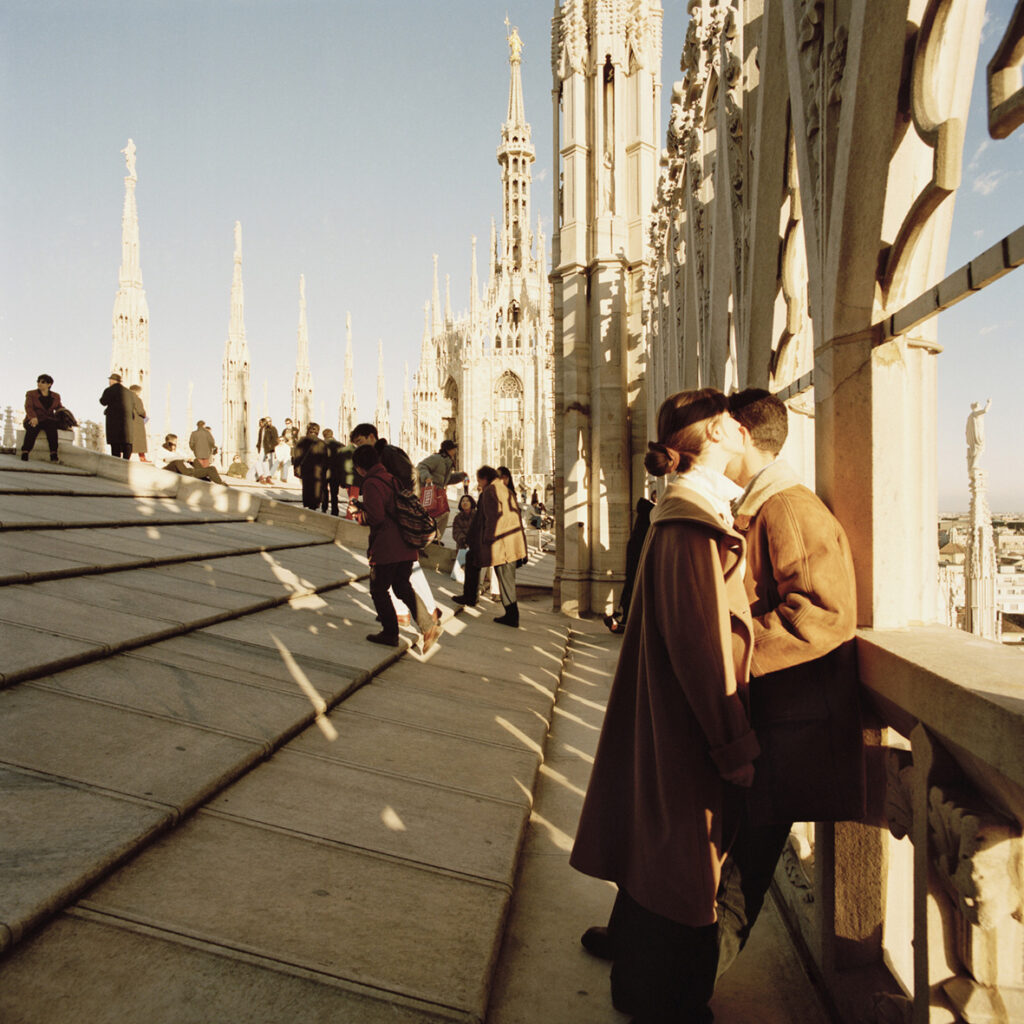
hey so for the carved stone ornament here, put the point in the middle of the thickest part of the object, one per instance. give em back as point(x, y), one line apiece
point(899, 781)
point(1005, 87)
point(977, 854)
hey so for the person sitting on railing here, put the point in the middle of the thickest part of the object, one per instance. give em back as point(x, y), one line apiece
point(41, 405)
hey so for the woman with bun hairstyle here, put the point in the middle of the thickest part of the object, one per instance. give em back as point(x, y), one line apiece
point(676, 748)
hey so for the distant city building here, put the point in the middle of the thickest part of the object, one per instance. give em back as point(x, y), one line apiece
point(485, 378)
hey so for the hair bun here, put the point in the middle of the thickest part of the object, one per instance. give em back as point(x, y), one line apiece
point(657, 460)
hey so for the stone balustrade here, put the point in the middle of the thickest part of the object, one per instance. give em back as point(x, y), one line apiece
point(915, 915)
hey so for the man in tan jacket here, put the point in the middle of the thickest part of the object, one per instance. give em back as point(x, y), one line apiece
point(803, 691)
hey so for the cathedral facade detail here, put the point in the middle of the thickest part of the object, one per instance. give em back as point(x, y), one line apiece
point(486, 378)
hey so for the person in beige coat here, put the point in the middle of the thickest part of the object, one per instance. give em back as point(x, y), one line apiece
point(676, 750)
point(496, 538)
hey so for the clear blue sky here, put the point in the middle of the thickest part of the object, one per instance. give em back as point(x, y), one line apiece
point(352, 140)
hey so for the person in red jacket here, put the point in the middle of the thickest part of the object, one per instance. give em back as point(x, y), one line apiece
point(41, 407)
point(391, 558)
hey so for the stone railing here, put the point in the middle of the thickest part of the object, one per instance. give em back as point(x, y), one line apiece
point(916, 915)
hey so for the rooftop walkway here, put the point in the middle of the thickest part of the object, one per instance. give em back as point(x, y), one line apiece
point(220, 803)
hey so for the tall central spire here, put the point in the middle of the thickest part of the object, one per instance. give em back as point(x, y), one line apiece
point(302, 394)
point(515, 155)
point(382, 416)
point(130, 355)
point(235, 437)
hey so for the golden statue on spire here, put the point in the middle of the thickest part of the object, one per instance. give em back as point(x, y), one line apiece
point(515, 44)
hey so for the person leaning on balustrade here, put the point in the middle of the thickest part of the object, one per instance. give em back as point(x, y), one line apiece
point(803, 690)
point(676, 750)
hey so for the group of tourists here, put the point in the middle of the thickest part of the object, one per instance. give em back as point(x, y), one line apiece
point(733, 712)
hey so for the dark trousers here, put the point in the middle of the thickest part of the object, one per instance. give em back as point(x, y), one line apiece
point(122, 449)
point(312, 490)
point(746, 877)
point(664, 971)
point(395, 576)
point(506, 576)
point(49, 428)
point(331, 492)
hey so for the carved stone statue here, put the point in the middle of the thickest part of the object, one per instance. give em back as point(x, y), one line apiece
point(976, 434)
point(129, 158)
point(608, 185)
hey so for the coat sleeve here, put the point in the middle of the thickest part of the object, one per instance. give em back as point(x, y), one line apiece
point(813, 573)
point(693, 618)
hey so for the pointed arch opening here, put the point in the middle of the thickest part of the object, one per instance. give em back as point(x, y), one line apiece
point(508, 408)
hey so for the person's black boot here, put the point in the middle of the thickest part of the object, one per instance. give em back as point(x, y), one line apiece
point(460, 599)
point(511, 616)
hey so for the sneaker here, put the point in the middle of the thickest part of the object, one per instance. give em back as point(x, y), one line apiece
point(597, 941)
point(384, 639)
point(24, 456)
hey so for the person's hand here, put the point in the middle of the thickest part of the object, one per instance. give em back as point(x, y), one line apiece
point(34, 422)
point(742, 776)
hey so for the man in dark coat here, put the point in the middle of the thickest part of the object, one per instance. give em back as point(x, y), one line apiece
point(803, 691)
point(266, 443)
point(309, 458)
point(117, 402)
point(339, 470)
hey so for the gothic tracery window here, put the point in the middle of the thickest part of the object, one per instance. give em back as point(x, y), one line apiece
point(508, 408)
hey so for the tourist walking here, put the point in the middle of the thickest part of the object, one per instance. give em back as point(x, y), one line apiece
point(309, 459)
point(266, 446)
point(391, 557)
point(676, 749)
point(284, 456)
point(117, 405)
point(139, 418)
point(41, 405)
point(439, 471)
point(496, 539)
point(202, 444)
point(399, 465)
point(460, 536)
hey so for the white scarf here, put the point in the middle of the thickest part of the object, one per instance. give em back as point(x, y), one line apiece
point(717, 488)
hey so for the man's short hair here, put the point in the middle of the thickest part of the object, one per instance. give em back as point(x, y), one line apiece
point(365, 456)
point(328, 432)
point(764, 416)
point(488, 473)
point(363, 430)
point(200, 423)
point(447, 446)
point(168, 438)
point(44, 378)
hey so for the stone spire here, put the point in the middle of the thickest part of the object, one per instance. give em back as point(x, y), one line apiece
point(302, 393)
point(980, 614)
point(474, 287)
point(436, 302)
point(542, 271)
point(235, 374)
point(347, 410)
point(405, 433)
point(130, 355)
point(381, 417)
point(448, 299)
point(515, 155)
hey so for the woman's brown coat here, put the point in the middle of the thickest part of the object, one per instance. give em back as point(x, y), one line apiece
point(496, 534)
point(658, 816)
